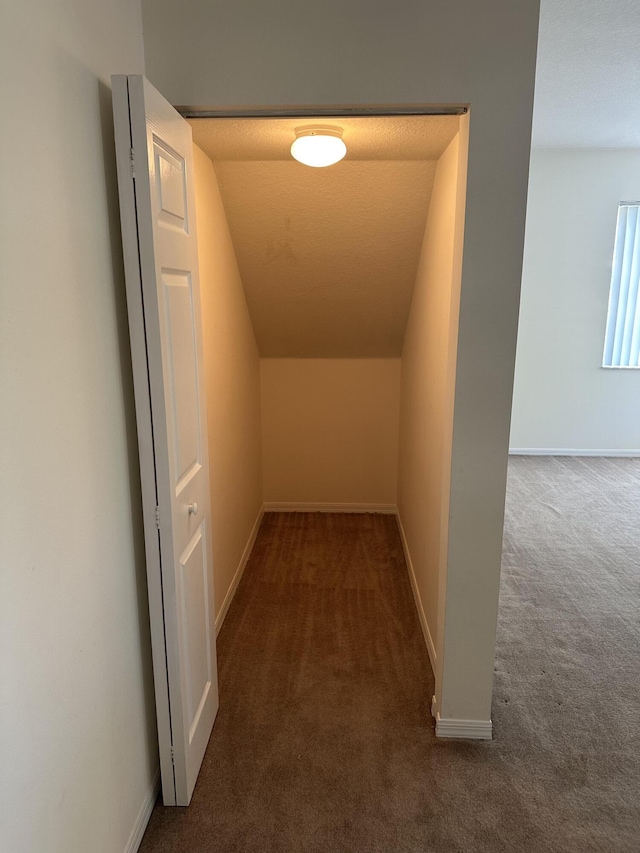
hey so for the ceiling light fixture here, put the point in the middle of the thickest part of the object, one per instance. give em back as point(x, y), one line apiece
point(318, 146)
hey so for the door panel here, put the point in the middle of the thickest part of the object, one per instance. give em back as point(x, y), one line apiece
point(183, 378)
point(195, 622)
point(155, 174)
point(172, 187)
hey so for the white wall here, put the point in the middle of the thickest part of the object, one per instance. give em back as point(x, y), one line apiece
point(462, 51)
point(563, 398)
point(232, 377)
point(427, 388)
point(330, 430)
point(78, 741)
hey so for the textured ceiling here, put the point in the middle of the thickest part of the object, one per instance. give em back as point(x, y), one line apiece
point(588, 76)
point(328, 257)
point(367, 138)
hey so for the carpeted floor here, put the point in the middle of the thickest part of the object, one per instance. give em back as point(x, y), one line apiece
point(324, 740)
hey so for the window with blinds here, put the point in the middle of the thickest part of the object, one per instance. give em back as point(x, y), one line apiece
point(622, 341)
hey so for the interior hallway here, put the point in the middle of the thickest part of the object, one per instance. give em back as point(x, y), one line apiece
point(324, 741)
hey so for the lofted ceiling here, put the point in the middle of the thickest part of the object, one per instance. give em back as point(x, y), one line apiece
point(588, 75)
point(328, 257)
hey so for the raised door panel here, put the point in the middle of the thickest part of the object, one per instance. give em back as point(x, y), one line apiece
point(171, 187)
point(195, 627)
point(182, 375)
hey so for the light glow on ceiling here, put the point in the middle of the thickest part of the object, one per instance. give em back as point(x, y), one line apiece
point(318, 146)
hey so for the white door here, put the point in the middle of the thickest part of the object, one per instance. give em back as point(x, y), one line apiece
point(155, 178)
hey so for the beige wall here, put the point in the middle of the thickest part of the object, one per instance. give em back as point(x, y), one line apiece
point(428, 377)
point(330, 430)
point(232, 376)
point(78, 737)
point(563, 400)
point(235, 53)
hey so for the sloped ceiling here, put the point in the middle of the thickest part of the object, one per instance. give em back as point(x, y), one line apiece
point(328, 257)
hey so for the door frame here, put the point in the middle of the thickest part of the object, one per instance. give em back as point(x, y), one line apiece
point(356, 111)
point(140, 357)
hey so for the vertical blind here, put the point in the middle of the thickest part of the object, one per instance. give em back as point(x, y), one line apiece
point(622, 341)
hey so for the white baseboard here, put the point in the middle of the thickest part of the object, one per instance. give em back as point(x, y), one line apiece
point(568, 451)
point(239, 571)
point(284, 506)
point(416, 595)
point(467, 729)
point(135, 839)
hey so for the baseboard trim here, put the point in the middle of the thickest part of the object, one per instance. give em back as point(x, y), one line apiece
point(135, 839)
point(416, 596)
point(285, 506)
point(464, 729)
point(239, 571)
point(568, 451)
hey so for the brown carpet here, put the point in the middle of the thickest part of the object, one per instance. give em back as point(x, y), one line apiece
point(324, 741)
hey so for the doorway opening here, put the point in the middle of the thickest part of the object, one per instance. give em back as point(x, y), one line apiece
point(294, 333)
point(329, 310)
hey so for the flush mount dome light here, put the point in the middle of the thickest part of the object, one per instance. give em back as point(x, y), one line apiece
point(318, 146)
